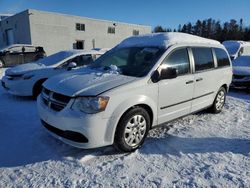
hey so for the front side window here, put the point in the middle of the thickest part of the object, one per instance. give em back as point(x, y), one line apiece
point(84, 60)
point(179, 60)
point(203, 58)
point(222, 58)
point(79, 60)
point(132, 61)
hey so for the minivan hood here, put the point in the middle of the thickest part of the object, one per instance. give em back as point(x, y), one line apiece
point(21, 69)
point(86, 82)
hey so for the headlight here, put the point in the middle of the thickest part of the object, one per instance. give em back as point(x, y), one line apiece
point(27, 76)
point(90, 105)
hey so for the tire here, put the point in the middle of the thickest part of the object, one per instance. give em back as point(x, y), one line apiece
point(132, 130)
point(219, 101)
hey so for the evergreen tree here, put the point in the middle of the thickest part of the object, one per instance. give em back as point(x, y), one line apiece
point(210, 28)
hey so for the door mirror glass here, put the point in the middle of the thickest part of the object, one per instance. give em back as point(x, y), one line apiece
point(168, 73)
point(71, 65)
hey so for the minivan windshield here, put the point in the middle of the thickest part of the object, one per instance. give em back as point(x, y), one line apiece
point(131, 61)
point(55, 58)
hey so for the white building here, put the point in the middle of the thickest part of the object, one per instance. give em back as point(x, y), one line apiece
point(57, 32)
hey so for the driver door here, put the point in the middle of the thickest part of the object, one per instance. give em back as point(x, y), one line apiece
point(175, 95)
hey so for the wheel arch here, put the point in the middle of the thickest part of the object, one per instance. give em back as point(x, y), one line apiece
point(37, 85)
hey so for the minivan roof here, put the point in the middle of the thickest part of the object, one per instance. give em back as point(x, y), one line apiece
point(165, 40)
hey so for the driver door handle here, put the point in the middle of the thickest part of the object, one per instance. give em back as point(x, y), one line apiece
point(190, 82)
point(199, 79)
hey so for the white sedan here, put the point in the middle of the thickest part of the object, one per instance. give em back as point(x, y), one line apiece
point(27, 79)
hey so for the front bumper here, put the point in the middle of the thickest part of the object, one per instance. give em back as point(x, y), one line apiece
point(18, 87)
point(241, 83)
point(75, 128)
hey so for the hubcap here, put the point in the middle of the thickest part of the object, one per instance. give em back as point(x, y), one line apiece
point(219, 103)
point(135, 130)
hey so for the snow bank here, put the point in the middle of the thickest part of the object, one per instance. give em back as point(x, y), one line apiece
point(165, 40)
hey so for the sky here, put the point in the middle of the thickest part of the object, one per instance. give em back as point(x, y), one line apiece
point(167, 13)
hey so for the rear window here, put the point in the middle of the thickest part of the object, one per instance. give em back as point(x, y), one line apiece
point(222, 58)
point(203, 58)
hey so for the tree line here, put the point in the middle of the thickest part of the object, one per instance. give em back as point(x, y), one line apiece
point(213, 29)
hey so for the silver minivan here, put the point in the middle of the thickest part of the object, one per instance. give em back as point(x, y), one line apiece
point(143, 82)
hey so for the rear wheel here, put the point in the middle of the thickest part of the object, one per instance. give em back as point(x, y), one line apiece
point(132, 130)
point(219, 101)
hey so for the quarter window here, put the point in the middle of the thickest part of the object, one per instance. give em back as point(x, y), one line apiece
point(203, 58)
point(222, 58)
point(178, 59)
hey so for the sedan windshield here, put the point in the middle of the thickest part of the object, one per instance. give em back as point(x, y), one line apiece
point(232, 48)
point(55, 58)
point(132, 61)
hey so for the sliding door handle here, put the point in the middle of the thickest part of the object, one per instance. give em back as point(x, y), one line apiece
point(199, 79)
point(190, 82)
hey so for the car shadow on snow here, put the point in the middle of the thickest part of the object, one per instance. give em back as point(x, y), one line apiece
point(42, 147)
point(174, 145)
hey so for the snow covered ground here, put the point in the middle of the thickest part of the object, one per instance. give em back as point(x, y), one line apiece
point(196, 151)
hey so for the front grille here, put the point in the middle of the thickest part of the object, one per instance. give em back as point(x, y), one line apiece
point(70, 135)
point(53, 100)
point(238, 76)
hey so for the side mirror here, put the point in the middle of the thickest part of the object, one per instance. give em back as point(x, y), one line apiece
point(71, 65)
point(168, 73)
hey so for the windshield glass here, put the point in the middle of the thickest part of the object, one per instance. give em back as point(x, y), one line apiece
point(55, 58)
point(232, 48)
point(132, 61)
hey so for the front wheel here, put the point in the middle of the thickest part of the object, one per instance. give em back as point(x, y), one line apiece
point(219, 101)
point(132, 130)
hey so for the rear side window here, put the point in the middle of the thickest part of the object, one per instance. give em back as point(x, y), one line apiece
point(203, 58)
point(222, 58)
point(178, 59)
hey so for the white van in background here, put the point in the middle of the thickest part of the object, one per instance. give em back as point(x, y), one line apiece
point(237, 48)
point(143, 82)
